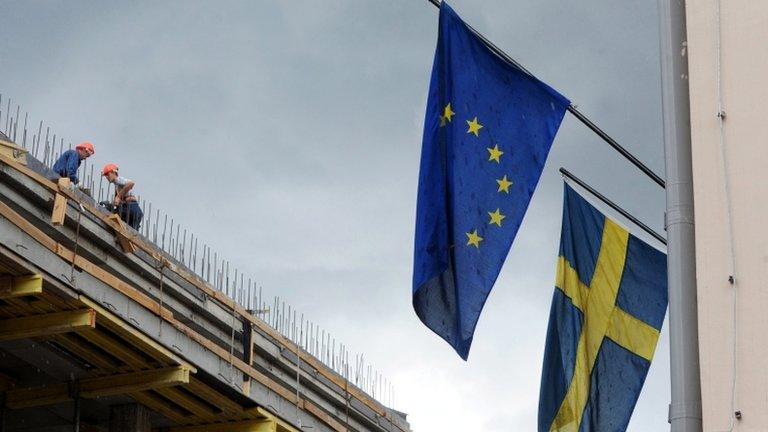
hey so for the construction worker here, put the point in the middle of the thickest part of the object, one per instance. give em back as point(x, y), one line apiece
point(69, 161)
point(126, 204)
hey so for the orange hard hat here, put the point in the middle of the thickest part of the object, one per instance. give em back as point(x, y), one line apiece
point(86, 146)
point(108, 168)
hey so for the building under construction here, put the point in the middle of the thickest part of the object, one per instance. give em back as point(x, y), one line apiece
point(102, 330)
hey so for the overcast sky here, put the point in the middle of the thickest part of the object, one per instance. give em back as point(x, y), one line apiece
point(287, 135)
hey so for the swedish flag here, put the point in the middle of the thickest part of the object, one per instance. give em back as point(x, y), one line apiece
point(487, 133)
point(607, 311)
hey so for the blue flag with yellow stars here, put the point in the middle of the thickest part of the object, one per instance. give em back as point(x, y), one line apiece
point(487, 134)
point(607, 311)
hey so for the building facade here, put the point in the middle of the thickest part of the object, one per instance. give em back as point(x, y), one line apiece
point(728, 66)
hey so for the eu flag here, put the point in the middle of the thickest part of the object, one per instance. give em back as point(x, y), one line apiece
point(487, 133)
point(607, 311)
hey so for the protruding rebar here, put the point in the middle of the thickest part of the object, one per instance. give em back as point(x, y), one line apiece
point(7, 115)
point(16, 123)
point(39, 134)
point(45, 150)
point(24, 136)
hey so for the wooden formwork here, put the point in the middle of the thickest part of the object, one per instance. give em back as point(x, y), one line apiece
point(121, 361)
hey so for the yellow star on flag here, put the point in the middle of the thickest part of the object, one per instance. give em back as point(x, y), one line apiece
point(496, 217)
point(448, 112)
point(474, 239)
point(474, 127)
point(495, 154)
point(504, 184)
point(442, 121)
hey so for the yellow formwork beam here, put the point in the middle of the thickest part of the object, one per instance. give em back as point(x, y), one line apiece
point(47, 324)
point(97, 387)
point(20, 286)
point(282, 425)
point(241, 426)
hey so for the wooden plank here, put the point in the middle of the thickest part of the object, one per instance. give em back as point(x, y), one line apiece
point(125, 243)
point(64, 184)
point(60, 203)
point(59, 210)
point(98, 387)
point(20, 286)
point(47, 324)
point(241, 426)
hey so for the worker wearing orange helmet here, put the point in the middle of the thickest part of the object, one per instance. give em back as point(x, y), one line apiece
point(126, 204)
point(69, 161)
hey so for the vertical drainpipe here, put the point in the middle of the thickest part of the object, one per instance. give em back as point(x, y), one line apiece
point(685, 407)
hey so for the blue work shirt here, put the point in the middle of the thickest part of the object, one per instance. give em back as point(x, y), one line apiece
point(67, 165)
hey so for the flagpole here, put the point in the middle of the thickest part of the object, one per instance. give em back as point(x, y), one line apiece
point(685, 407)
point(567, 174)
point(575, 112)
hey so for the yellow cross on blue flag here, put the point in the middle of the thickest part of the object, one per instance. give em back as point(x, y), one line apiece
point(607, 311)
point(487, 133)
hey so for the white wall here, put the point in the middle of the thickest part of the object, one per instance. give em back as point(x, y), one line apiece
point(744, 71)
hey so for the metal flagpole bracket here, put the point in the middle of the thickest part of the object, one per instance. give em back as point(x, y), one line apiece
point(567, 174)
